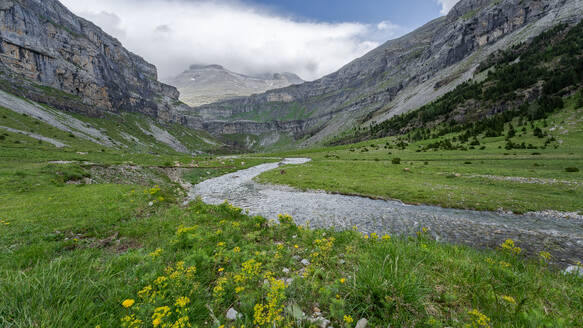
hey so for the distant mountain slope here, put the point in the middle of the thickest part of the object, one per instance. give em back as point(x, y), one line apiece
point(527, 82)
point(399, 76)
point(26, 122)
point(201, 85)
point(50, 55)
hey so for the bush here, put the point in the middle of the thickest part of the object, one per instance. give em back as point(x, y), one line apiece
point(571, 169)
point(396, 160)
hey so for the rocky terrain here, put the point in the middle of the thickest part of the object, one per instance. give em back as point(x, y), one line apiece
point(205, 84)
point(399, 76)
point(50, 55)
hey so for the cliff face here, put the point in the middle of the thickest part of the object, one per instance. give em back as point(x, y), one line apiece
point(402, 74)
point(50, 55)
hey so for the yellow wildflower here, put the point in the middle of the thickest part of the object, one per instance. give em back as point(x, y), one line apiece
point(479, 320)
point(509, 299)
point(156, 253)
point(348, 319)
point(386, 237)
point(342, 280)
point(221, 269)
point(508, 245)
point(237, 249)
point(545, 255)
point(182, 301)
point(504, 264)
point(128, 303)
point(145, 291)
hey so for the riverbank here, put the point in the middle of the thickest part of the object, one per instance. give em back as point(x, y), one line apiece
point(480, 174)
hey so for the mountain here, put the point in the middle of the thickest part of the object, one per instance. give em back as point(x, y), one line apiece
point(399, 76)
point(50, 55)
point(201, 84)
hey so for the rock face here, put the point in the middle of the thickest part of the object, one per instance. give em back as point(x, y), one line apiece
point(200, 85)
point(50, 55)
point(399, 76)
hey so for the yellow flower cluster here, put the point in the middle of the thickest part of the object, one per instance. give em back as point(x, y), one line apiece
point(219, 289)
point(128, 303)
point(184, 230)
point(509, 299)
point(323, 248)
point(4, 222)
point(285, 219)
point(479, 320)
point(154, 190)
point(182, 301)
point(509, 246)
point(169, 311)
point(348, 319)
point(545, 256)
point(156, 253)
point(252, 267)
point(159, 314)
point(270, 314)
point(131, 321)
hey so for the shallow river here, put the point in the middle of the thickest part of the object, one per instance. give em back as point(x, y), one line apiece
point(560, 236)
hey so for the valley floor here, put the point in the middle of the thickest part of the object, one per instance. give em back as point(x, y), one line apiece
point(97, 241)
point(98, 237)
point(487, 177)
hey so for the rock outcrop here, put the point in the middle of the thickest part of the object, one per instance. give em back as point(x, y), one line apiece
point(402, 74)
point(52, 56)
point(200, 85)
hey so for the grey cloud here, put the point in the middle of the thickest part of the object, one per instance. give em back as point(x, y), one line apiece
point(173, 34)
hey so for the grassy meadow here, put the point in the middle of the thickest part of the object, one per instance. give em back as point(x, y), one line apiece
point(124, 251)
point(487, 177)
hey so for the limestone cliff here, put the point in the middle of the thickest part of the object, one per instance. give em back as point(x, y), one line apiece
point(50, 55)
point(399, 76)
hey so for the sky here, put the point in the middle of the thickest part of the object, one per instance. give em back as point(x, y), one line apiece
point(311, 38)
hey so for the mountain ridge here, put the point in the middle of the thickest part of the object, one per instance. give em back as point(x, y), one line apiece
point(205, 84)
point(401, 75)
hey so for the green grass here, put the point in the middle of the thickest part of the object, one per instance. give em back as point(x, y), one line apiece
point(70, 255)
point(455, 178)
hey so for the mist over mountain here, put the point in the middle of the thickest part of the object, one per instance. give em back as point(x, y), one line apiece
point(205, 84)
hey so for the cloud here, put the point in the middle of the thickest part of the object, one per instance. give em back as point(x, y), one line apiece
point(173, 34)
point(446, 5)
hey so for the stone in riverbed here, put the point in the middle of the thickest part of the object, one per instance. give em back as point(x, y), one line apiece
point(574, 269)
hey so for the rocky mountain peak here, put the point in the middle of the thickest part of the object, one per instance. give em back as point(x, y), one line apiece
point(205, 84)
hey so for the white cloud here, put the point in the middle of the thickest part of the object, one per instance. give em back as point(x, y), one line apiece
point(446, 5)
point(174, 34)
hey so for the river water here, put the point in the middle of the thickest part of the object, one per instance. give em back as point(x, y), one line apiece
point(560, 236)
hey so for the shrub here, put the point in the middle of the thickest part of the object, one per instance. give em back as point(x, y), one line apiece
point(396, 160)
point(571, 169)
point(467, 162)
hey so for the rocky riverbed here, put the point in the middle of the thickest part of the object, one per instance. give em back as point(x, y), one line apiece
point(534, 232)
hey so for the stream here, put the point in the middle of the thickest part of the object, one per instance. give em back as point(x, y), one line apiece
point(560, 236)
